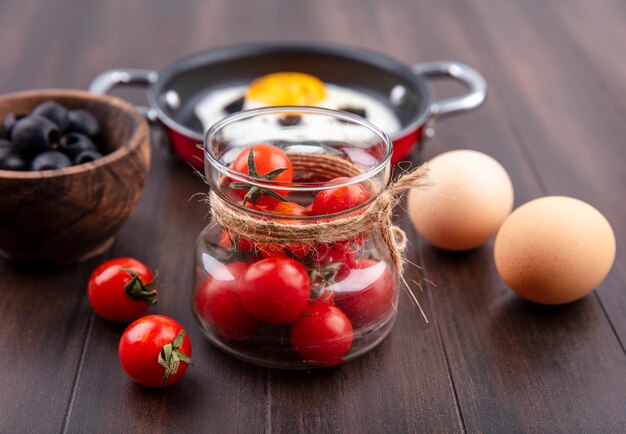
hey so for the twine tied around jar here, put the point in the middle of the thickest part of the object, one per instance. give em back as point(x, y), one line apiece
point(377, 216)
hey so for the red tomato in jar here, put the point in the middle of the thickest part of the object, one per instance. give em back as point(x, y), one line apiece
point(275, 290)
point(323, 333)
point(121, 289)
point(327, 296)
point(226, 241)
point(155, 351)
point(267, 159)
point(217, 303)
point(364, 291)
point(249, 205)
point(339, 199)
point(343, 252)
point(300, 251)
point(290, 209)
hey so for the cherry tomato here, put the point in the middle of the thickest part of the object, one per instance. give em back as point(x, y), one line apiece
point(155, 351)
point(300, 251)
point(327, 296)
point(339, 252)
point(364, 291)
point(121, 289)
point(290, 209)
point(275, 290)
point(226, 241)
point(236, 197)
point(339, 199)
point(323, 333)
point(266, 250)
point(267, 159)
point(217, 303)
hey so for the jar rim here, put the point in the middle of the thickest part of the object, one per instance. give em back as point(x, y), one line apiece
point(296, 186)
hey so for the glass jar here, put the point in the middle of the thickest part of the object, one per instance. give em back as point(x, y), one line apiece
point(266, 293)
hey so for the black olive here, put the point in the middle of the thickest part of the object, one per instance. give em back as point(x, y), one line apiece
point(34, 134)
point(87, 156)
point(289, 120)
point(50, 160)
point(9, 160)
point(4, 143)
point(235, 106)
point(55, 112)
point(9, 121)
point(81, 121)
point(73, 144)
point(355, 111)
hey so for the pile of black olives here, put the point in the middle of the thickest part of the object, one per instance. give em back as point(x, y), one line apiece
point(50, 137)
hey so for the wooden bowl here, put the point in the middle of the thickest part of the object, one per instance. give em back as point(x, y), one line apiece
point(68, 215)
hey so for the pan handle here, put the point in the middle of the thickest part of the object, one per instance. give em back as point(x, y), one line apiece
point(461, 72)
point(108, 80)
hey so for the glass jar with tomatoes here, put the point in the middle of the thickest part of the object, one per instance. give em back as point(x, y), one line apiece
point(286, 273)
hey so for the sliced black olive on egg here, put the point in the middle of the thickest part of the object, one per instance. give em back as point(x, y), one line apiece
point(289, 120)
point(235, 106)
point(359, 111)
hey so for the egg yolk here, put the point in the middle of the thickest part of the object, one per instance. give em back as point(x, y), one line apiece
point(287, 88)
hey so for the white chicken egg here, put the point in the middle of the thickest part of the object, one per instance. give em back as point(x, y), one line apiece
point(471, 197)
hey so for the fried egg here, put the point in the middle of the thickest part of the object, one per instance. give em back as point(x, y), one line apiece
point(296, 89)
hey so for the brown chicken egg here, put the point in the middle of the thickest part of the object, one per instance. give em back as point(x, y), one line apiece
point(471, 197)
point(554, 250)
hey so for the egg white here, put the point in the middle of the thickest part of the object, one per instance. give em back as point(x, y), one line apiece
point(211, 109)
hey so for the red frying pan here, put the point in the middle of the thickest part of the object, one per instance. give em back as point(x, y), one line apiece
point(174, 92)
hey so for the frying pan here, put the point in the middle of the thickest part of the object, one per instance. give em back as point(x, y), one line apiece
point(174, 92)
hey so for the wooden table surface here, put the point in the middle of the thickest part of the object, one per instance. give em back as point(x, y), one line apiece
point(486, 362)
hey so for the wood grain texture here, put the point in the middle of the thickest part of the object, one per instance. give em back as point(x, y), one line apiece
point(44, 317)
point(572, 124)
point(486, 362)
point(505, 353)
